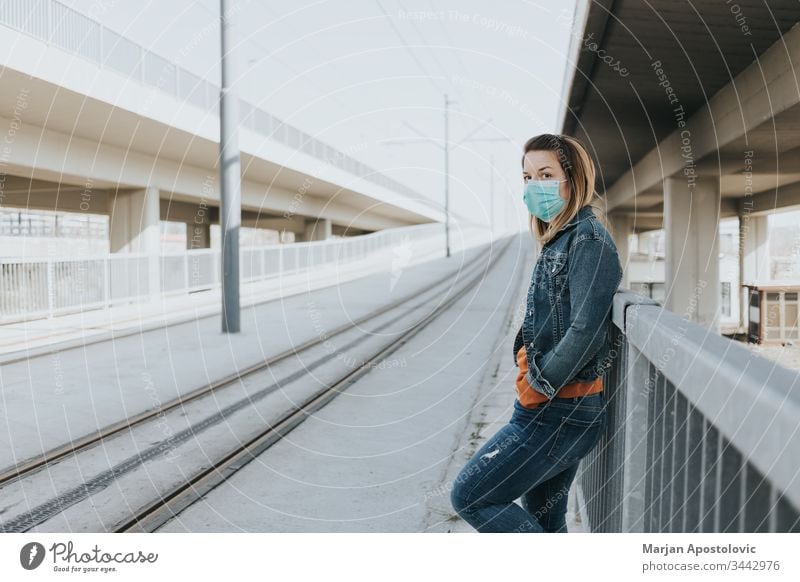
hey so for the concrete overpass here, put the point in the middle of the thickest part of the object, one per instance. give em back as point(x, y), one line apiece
point(94, 123)
point(692, 112)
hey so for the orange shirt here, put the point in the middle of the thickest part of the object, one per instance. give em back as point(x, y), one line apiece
point(531, 398)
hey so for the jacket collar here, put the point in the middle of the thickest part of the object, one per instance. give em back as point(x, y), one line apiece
point(583, 213)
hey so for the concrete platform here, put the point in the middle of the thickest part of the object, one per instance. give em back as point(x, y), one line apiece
point(381, 457)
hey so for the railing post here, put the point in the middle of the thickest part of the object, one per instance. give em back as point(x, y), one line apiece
point(637, 393)
point(187, 265)
point(48, 15)
point(636, 390)
point(50, 288)
point(106, 281)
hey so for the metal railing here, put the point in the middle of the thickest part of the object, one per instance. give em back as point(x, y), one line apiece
point(702, 433)
point(61, 26)
point(31, 224)
point(35, 288)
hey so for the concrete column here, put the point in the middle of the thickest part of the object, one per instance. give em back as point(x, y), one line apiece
point(691, 225)
point(134, 227)
point(753, 255)
point(316, 229)
point(198, 236)
point(621, 228)
point(754, 248)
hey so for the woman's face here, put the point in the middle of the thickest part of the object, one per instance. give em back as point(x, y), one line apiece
point(543, 165)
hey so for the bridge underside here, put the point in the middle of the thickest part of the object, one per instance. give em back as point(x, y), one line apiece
point(691, 120)
point(85, 147)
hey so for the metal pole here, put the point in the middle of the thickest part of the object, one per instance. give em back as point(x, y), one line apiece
point(447, 174)
point(230, 179)
point(491, 197)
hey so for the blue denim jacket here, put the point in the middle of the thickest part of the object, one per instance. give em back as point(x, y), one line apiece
point(568, 313)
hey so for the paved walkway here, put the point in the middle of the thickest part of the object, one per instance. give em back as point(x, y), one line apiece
point(381, 457)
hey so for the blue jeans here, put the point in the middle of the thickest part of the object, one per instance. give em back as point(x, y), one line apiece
point(534, 457)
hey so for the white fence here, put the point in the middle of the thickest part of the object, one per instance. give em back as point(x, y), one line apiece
point(34, 288)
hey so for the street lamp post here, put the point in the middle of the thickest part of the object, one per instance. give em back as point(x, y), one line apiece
point(491, 196)
point(230, 179)
point(447, 103)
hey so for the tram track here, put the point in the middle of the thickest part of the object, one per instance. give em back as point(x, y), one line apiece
point(47, 510)
point(182, 497)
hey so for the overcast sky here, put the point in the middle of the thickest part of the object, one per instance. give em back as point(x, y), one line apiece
point(355, 73)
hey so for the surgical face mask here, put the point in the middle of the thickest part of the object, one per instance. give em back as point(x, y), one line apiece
point(542, 198)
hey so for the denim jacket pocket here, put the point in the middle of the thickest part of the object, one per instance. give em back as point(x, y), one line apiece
point(550, 272)
point(555, 262)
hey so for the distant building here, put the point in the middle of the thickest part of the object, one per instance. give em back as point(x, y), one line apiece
point(772, 317)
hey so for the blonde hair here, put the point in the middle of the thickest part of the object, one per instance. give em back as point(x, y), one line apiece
point(579, 169)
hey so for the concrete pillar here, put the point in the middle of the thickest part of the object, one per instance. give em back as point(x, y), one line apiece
point(198, 236)
point(134, 227)
point(621, 229)
point(754, 248)
point(753, 255)
point(316, 229)
point(691, 225)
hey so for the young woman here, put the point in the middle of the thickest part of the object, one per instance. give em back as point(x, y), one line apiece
point(561, 349)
